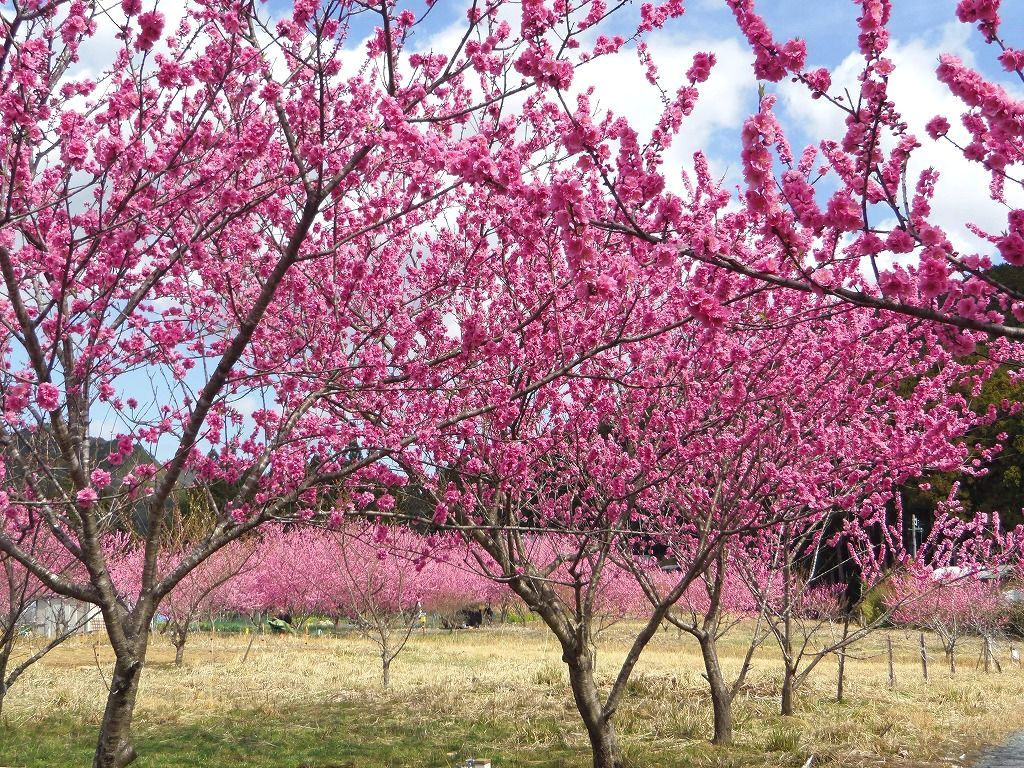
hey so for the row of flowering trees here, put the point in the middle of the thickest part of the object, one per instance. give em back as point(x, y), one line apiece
point(383, 578)
point(312, 277)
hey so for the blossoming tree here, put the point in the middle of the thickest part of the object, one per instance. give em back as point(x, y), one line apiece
point(822, 425)
point(227, 246)
point(206, 588)
point(953, 602)
point(768, 414)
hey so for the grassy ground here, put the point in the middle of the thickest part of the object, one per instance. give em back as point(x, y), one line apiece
point(310, 702)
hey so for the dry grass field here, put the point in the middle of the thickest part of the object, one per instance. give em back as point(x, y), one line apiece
point(309, 702)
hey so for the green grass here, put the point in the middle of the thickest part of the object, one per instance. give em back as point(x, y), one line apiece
point(388, 730)
point(327, 736)
point(400, 733)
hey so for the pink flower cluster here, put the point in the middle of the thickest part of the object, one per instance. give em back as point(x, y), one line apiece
point(48, 396)
point(1002, 113)
point(772, 61)
point(985, 12)
point(151, 26)
point(700, 70)
point(541, 63)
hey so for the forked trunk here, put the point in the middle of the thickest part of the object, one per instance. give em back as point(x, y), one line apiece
point(604, 742)
point(115, 749)
point(721, 695)
point(178, 639)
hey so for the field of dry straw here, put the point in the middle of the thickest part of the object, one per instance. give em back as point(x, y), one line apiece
point(500, 692)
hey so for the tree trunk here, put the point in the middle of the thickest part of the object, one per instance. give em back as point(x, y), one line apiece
point(114, 749)
point(842, 675)
point(604, 742)
point(924, 659)
point(892, 669)
point(5, 656)
point(179, 652)
point(842, 659)
point(721, 696)
point(786, 706)
point(249, 646)
point(179, 636)
point(385, 664)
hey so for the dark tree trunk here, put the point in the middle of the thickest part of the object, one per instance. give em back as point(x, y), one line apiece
point(604, 742)
point(5, 655)
point(788, 692)
point(924, 658)
point(3, 698)
point(721, 695)
point(842, 675)
point(786, 705)
point(842, 659)
point(115, 749)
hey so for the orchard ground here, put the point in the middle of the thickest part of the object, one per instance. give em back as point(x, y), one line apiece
point(316, 702)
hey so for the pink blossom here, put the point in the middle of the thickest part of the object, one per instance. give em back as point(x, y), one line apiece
point(771, 61)
point(985, 12)
point(1012, 59)
point(937, 127)
point(151, 26)
point(700, 70)
point(86, 497)
point(820, 80)
point(48, 396)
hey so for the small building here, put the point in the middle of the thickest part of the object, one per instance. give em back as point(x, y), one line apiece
point(53, 616)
